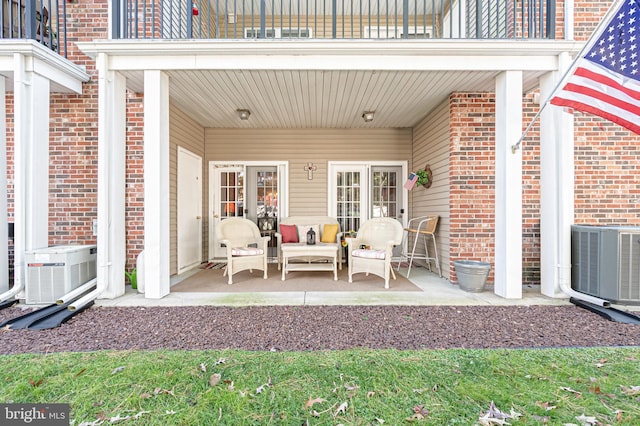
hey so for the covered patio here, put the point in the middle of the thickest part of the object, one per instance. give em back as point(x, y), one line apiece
point(291, 88)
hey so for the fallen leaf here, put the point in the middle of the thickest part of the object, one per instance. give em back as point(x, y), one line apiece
point(379, 420)
point(546, 405)
point(214, 379)
point(342, 408)
point(145, 395)
point(370, 394)
point(573, 391)
point(595, 389)
point(117, 370)
point(419, 409)
point(587, 420)
point(80, 372)
point(118, 419)
point(203, 367)
point(220, 361)
point(260, 388)
point(36, 383)
point(158, 391)
point(630, 391)
point(416, 417)
point(312, 401)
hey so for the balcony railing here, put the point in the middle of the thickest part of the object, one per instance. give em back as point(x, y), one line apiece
point(334, 19)
point(43, 21)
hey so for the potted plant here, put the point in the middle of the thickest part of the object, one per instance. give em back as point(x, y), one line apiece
point(425, 176)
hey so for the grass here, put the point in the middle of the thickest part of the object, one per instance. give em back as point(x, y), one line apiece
point(355, 387)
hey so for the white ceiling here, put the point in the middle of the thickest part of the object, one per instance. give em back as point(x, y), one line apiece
point(317, 98)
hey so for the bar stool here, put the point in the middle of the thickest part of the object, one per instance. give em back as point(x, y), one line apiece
point(425, 227)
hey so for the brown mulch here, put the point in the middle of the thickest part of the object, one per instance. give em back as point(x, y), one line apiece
point(302, 328)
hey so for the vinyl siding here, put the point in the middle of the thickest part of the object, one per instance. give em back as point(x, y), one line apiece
point(431, 146)
point(189, 135)
point(301, 146)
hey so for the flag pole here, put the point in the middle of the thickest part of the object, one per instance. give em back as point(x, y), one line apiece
point(587, 46)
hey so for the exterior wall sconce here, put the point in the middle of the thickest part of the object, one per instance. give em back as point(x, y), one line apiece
point(367, 116)
point(243, 114)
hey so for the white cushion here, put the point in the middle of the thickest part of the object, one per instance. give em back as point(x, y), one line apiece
point(369, 254)
point(303, 229)
point(246, 251)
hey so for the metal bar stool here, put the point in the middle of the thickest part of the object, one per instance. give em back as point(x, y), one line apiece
point(425, 228)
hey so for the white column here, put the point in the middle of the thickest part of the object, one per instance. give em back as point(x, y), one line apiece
point(31, 162)
point(4, 220)
point(111, 242)
point(156, 184)
point(556, 188)
point(508, 260)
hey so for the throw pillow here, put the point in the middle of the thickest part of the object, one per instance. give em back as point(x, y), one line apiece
point(303, 229)
point(329, 233)
point(289, 233)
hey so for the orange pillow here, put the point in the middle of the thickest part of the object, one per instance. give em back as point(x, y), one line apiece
point(289, 233)
point(329, 233)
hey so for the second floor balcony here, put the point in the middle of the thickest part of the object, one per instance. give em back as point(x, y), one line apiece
point(41, 20)
point(334, 19)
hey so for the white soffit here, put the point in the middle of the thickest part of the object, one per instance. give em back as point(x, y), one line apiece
point(324, 84)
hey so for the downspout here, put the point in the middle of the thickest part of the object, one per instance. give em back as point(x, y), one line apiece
point(89, 297)
point(77, 292)
point(17, 288)
point(565, 209)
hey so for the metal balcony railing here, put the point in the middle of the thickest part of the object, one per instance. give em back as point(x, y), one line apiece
point(334, 19)
point(41, 20)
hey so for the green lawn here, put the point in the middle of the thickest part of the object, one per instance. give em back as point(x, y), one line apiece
point(356, 387)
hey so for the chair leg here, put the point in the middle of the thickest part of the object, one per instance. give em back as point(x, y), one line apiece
point(435, 248)
point(426, 251)
point(403, 250)
point(415, 242)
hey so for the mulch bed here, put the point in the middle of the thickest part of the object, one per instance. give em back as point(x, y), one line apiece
point(303, 328)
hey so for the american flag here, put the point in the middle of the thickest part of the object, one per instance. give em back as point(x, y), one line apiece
point(606, 81)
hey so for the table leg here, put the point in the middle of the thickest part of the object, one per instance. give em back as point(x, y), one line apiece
point(285, 260)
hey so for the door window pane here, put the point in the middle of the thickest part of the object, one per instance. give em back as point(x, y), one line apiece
point(231, 194)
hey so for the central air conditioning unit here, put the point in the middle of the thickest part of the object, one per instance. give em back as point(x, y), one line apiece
point(55, 271)
point(606, 262)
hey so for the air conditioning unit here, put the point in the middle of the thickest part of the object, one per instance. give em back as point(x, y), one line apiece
point(606, 262)
point(55, 271)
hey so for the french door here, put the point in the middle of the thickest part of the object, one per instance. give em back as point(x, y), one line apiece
point(253, 190)
point(360, 191)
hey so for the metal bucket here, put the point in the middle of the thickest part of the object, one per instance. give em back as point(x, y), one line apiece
point(472, 274)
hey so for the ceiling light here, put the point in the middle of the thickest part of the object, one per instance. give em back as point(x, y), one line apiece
point(367, 116)
point(243, 114)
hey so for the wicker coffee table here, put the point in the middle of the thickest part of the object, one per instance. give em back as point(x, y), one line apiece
point(307, 257)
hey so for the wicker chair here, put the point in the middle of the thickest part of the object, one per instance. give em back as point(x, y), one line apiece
point(245, 247)
point(372, 249)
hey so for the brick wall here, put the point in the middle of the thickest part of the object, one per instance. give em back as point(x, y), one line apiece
point(73, 146)
point(472, 177)
point(607, 181)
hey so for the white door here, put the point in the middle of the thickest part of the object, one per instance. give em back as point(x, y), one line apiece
point(189, 210)
point(349, 195)
point(226, 194)
point(361, 191)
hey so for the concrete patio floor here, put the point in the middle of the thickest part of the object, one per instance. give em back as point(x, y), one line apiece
point(435, 291)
